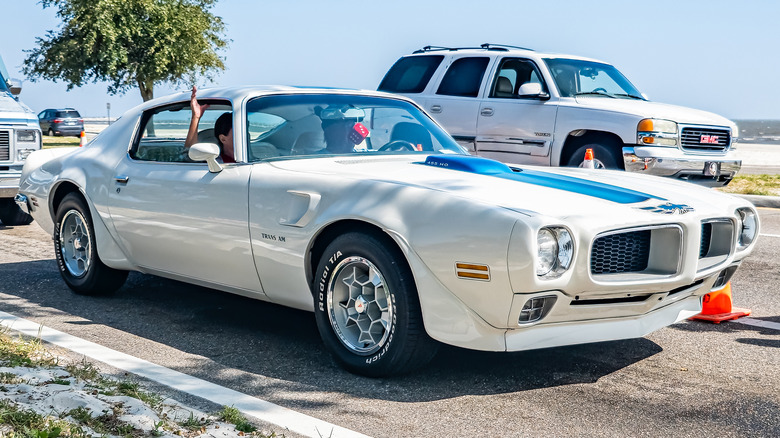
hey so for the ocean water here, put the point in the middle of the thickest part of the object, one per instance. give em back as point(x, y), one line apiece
point(759, 131)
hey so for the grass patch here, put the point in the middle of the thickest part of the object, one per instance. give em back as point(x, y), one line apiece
point(27, 423)
point(231, 415)
point(16, 352)
point(58, 142)
point(765, 185)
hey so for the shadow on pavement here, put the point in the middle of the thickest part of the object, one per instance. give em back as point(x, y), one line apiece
point(238, 341)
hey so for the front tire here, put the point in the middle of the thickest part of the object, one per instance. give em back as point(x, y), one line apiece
point(11, 214)
point(605, 156)
point(76, 250)
point(367, 308)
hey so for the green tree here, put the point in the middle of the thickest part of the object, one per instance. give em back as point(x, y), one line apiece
point(129, 43)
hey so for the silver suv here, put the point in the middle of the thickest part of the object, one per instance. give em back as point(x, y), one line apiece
point(521, 106)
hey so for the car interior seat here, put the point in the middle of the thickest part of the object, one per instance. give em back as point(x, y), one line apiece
point(207, 136)
point(308, 142)
point(414, 133)
point(503, 87)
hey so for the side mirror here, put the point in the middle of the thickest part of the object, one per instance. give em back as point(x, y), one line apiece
point(14, 86)
point(207, 152)
point(532, 90)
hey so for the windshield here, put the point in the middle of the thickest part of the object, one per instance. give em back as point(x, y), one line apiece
point(575, 77)
point(315, 125)
point(3, 76)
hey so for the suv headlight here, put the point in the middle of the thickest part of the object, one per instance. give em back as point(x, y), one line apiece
point(555, 248)
point(748, 227)
point(26, 136)
point(22, 154)
point(656, 132)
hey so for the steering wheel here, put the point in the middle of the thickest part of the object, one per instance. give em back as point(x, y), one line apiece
point(398, 145)
point(603, 90)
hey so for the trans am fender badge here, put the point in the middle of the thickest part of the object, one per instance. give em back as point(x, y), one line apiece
point(668, 208)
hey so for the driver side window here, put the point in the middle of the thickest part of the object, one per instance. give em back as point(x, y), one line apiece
point(164, 131)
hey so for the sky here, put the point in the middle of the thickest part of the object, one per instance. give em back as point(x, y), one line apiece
point(719, 56)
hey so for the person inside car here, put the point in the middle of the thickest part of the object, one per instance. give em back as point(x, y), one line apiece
point(342, 128)
point(223, 129)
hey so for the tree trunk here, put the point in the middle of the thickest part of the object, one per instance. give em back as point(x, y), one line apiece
point(146, 88)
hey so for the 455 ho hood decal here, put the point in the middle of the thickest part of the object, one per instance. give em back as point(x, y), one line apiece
point(484, 166)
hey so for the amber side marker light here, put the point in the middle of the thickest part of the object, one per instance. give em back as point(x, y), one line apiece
point(472, 271)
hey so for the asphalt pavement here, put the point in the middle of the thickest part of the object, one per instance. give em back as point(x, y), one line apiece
point(692, 379)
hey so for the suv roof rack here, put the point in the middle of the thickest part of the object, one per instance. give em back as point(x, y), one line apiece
point(490, 46)
point(485, 46)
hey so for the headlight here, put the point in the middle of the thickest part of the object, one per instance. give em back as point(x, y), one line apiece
point(656, 132)
point(22, 154)
point(555, 251)
point(748, 227)
point(25, 136)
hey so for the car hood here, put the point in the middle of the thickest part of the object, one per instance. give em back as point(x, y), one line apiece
point(555, 192)
point(656, 110)
point(11, 108)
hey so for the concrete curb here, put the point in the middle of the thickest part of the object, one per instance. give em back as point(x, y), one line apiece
point(762, 201)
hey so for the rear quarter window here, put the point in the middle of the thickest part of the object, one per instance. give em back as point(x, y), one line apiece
point(68, 114)
point(410, 74)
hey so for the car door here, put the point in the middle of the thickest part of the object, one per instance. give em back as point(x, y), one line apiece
point(455, 103)
point(43, 120)
point(512, 127)
point(174, 217)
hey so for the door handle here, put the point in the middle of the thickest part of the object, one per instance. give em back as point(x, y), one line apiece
point(487, 112)
point(435, 108)
point(122, 179)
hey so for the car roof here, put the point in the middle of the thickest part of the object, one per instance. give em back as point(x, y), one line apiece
point(500, 49)
point(237, 94)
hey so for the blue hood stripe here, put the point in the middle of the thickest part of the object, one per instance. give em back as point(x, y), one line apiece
point(484, 166)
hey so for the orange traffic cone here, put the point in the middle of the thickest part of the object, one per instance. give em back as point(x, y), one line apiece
point(717, 307)
point(83, 139)
point(588, 163)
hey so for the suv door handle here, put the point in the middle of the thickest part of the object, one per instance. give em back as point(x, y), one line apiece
point(122, 179)
point(435, 108)
point(487, 112)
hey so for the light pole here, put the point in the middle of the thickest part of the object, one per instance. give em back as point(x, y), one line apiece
point(108, 112)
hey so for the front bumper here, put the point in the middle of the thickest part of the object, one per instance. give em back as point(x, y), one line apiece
point(9, 184)
point(608, 329)
point(711, 171)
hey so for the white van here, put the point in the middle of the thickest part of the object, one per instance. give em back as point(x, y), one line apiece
point(20, 135)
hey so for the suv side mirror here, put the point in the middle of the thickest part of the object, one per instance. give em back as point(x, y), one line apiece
point(207, 152)
point(14, 86)
point(532, 90)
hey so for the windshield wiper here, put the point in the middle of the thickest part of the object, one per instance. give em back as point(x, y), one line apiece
point(596, 93)
point(630, 95)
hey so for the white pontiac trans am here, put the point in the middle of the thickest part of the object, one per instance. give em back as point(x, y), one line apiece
point(357, 206)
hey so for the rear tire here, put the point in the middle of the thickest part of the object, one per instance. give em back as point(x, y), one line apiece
point(367, 308)
point(11, 214)
point(50, 132)
point(605, 155)
point(76, 250)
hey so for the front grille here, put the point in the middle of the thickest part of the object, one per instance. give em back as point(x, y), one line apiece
point(705, 139)
point(5, 146)
point(706, 239)
point(620, 252)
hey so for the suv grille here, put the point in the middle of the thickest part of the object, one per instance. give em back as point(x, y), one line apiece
point(622, 252)
point(5, 146)
point(705, 139)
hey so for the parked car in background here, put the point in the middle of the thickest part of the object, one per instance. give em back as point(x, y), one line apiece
point(520, 106)
point(65, 121)
point(357, 206)
point(19, 136)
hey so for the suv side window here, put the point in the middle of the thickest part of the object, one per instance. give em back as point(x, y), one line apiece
point(464, 77)
point(410, 74)
point(513, 73)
